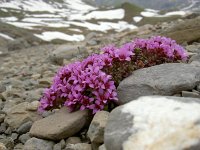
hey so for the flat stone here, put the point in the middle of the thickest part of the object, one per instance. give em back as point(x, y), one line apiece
point(102, 147)
point(66, 51)
point(60, 125)
point(8, 131)
point(193, 48)
point(57, 146)
point(38, 144)
point(14, 136)
point(96, 129)
point(79, 146)
point(165, 79)
point(73, 140)
point(63, 144)
point(33, 106)
point(33, 95)
point(154, 122)
point(24, 137)
point(19, 115)
point(190, 94)
point(24, 128)
point(44, 82)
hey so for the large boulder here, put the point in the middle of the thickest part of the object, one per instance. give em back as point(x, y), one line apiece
point(155, 123)
point(18, 115)
point(60, 125)
point(164, 79)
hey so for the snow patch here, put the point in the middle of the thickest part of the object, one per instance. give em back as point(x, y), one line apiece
point(48, 36)
point(150, 13)
point(6, 37)
point(137, 18)
point(108, 14)
point(8, 19)
point(104, 26)
point(24, 25)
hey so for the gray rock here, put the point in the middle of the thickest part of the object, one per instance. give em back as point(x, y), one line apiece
point(62, 142)
point(8, 142)
point(47, 113)
point(154, 122)
point(14, 136)
point(24, 128)
point(193, 48)
point(57, 146)
point(60, 125)
point(19, 115)
point(96, 129)
point(165, 79)
point(2, 117)
point(3, 127)
point(8, 105)
point(19, 146)
point(24, 137)
point(32, 96)
point(190, 94)
point(195, 59)
point(79, 146)
point(73, 140)
point(38, 144)
point(8, 131)
point(102, 147)
point(66, 52)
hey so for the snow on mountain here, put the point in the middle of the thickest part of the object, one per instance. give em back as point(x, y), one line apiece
point(72, 15)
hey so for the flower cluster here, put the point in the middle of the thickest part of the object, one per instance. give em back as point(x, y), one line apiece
point(81, 85)
point(157, 50)
point(91, 83)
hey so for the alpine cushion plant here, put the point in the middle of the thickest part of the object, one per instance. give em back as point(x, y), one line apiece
point(91, 83)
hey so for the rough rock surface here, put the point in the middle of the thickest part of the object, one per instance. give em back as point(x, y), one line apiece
point(59, 125)
point(18, 115)
point(155, 123)
point(96, 129)
point(164, 79)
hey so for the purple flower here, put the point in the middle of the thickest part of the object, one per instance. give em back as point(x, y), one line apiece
point(91, 83)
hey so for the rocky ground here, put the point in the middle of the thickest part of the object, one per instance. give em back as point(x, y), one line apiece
point(168, 121)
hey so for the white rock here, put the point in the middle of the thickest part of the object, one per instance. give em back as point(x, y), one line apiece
point(155, 123)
